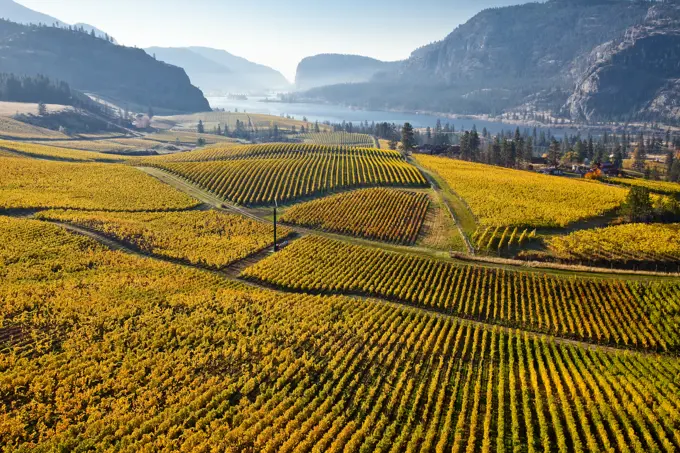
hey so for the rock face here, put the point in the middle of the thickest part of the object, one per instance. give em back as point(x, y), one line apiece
point(334, 69)
point(635, 77)
point(589, 59)
point(218, 72)
point(120, 74)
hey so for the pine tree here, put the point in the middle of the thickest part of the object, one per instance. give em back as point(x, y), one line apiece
point(200, 128)
point(408, 140)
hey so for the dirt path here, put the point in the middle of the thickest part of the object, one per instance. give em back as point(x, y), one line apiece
point(545, 268)
point(233, 273)
point(440, 193)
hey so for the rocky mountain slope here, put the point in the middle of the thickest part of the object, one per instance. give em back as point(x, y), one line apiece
point(218, 72)
point(120, 74)
point(635, 77)
point(587, 59)
point(333, 69)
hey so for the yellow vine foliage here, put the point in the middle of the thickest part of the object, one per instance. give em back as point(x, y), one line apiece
point(384, 214)
point(206, 238)
point(107, 351)
point(501, 197)
point(260, 174)
point(619, 312)
point(56, 153)
point(338, 139)
point(631, 243)
point(33, 184)
point(659, 187)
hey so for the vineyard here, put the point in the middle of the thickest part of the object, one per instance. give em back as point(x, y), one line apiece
point(119, 145)
point(660, 187)
point(382, 214)
point(174, 359)
point(271, 151)
point(496, 239)
point(186, 137)
point(259, 175)
point(630, 314)
point(339, 139)
point(202, 238)
point(55, 153)
point(622, 244)
point(501, 197)
point(38, 184)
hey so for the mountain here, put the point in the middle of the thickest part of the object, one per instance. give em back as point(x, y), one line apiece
point(219, 72)
point(119, 74)
point(333, 69)
point(525, 57)
point(636, 76)
point(97, 32)
point(13, 11)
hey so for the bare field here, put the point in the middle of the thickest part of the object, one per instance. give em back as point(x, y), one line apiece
point(11, 128)
point(27, 108)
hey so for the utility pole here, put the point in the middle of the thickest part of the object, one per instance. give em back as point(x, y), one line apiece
point(276, 246)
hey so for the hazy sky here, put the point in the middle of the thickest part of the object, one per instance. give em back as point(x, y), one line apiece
point(277, 33)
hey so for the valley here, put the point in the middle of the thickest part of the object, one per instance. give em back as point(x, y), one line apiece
point(199, 255)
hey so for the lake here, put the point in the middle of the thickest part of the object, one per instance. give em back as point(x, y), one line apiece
point(338, 114)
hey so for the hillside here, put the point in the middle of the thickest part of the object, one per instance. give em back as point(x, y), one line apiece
point(121, 74)
point(636, 76)
point(529, 55)
point(11, 10)
point(333, 69)
point(218, 72)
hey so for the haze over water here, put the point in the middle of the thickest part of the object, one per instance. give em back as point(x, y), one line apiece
point(338, 114)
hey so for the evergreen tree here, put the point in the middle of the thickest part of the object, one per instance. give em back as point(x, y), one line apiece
point(408, 140)
point(554, 153)
point(670, 160)
point(201, 128)
point(529, 151)
point(618, 157)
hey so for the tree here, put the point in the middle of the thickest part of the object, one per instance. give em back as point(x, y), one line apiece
point(201, 128)
point(670, 160)
point(316, 127)
point(42, 109)
point(201, 142)
point(408, 140)
point(618, 157)
point(638, 205)
point(674, 175)
point(393, 144)
point(150, 113)
point(639, 157)
point(554, 153)
point(529, 150)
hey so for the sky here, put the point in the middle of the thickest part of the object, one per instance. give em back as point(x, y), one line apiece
point(276, 33)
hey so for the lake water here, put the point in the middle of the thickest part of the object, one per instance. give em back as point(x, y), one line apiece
point(338, 114)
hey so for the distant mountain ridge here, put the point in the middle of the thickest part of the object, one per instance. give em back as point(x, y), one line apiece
point(123, 75)
point(218, 72)
point(15, 12)
point(332, 69)
point(536, 56)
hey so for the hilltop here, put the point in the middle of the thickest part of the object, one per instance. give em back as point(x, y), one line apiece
point(333, 69)
point(218, 72)
point(121, 74)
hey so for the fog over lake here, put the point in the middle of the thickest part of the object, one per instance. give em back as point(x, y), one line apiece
point(338, 114)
